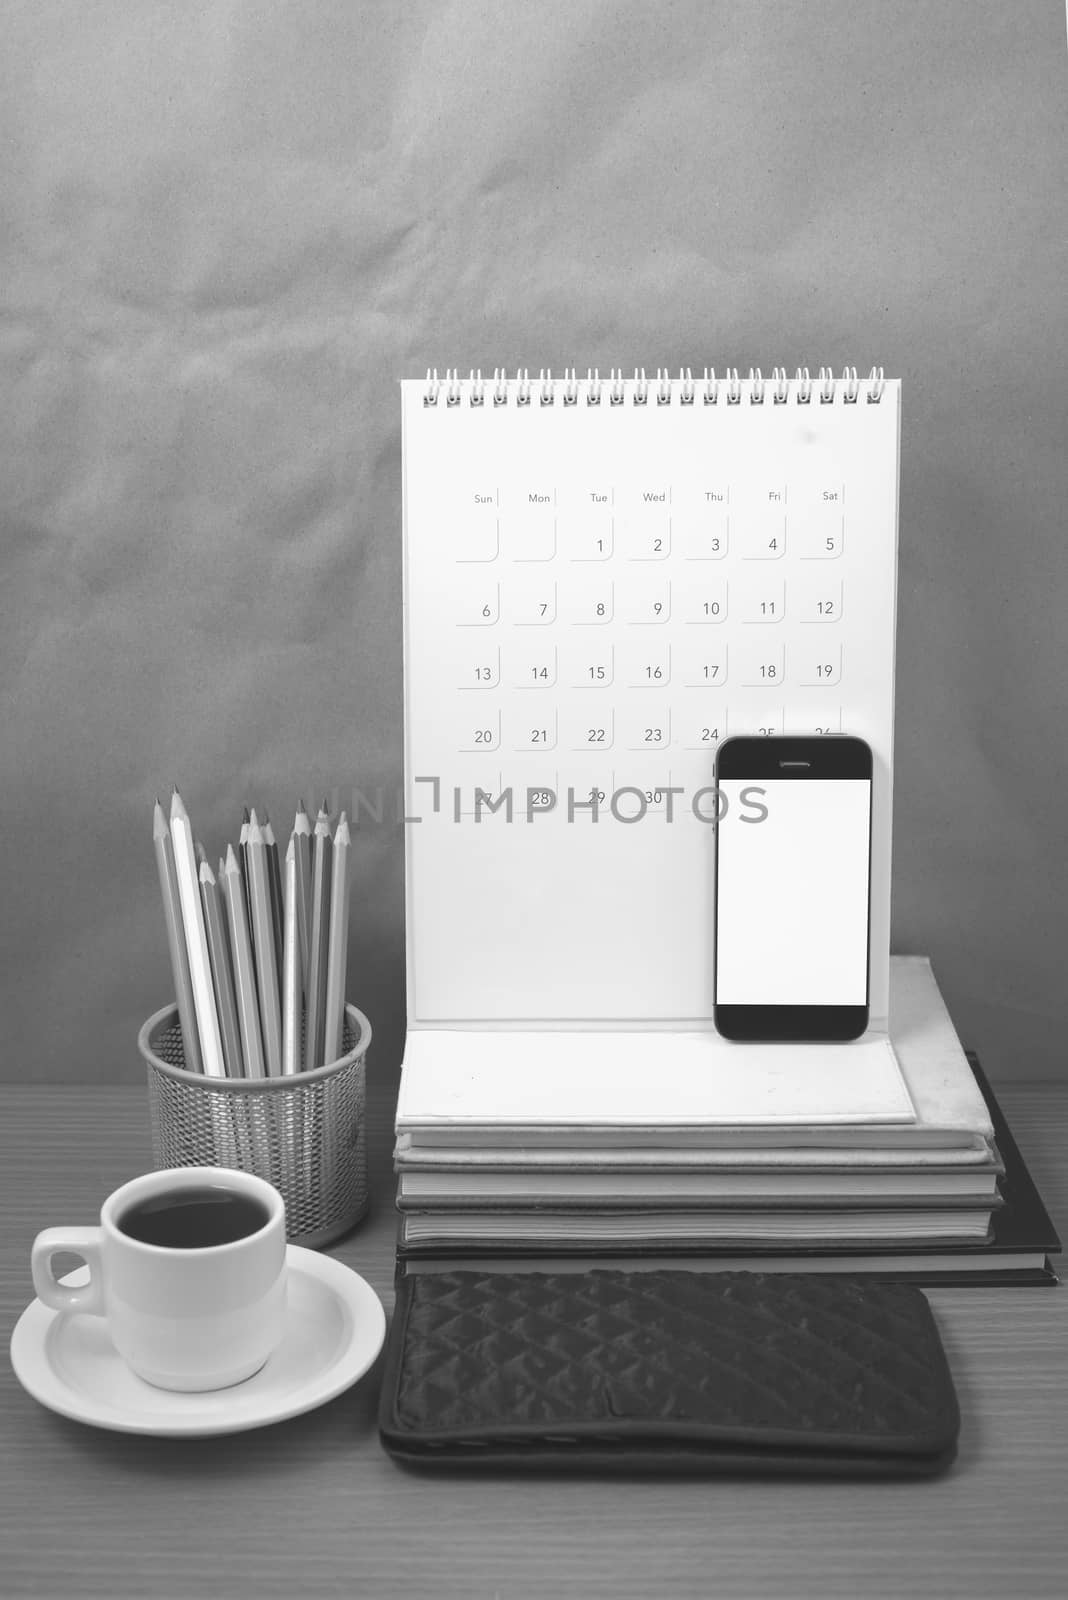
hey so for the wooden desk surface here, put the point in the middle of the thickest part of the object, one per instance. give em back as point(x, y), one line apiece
point(314, 1507)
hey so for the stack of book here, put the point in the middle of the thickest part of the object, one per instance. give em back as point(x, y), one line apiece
point(565, 1149)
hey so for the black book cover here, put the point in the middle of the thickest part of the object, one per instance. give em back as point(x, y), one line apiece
point(1022, 1223)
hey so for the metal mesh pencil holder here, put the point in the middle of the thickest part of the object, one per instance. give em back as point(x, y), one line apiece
point(306, 1134)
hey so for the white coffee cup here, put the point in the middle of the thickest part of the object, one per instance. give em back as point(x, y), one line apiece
point(182, 1318)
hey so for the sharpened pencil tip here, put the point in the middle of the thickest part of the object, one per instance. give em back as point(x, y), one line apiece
point(245, 816)
point(253, 821)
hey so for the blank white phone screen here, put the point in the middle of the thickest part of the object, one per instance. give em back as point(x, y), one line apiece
point(792, 893)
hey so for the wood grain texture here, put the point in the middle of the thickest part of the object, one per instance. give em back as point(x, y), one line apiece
point(313, 1506)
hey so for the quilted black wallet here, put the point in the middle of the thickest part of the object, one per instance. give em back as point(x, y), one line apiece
point(669, 1370)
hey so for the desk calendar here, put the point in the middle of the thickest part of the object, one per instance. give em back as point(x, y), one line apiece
point(603, 579)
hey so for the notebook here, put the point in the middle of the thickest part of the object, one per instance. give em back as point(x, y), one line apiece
point(1022, 1238)
point(647, 1229)
point(522, 1091)
point(709, 1228)
point(624, 1187)
point(417, 1157)
point(549, 1088)
point(603, 579)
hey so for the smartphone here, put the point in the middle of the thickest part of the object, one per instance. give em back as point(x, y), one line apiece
point(793, 881)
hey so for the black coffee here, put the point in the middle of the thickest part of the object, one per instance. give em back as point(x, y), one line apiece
point(190, 1219)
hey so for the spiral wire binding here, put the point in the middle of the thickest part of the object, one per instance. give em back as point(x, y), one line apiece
point(826, 389)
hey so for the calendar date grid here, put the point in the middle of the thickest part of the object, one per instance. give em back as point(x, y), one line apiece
point(615, 621)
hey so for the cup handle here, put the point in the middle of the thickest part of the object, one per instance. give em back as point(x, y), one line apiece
point(84, 1242)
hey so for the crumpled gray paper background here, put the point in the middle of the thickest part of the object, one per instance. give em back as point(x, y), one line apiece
point(227, 229)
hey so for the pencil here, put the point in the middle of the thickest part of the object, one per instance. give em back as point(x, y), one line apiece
point(302, 838)
point(242, 845)
point(172, 915)
point(221, 972)
point(291, 997)
point(314, 1022)
point(264, 950)
point(196, 942)
point(248, 1008)
point(338, 946)
point(274, 874)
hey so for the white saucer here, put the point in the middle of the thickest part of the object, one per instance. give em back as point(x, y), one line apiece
point(335, 1326)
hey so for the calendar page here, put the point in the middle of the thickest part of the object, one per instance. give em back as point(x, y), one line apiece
point(603, 579)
